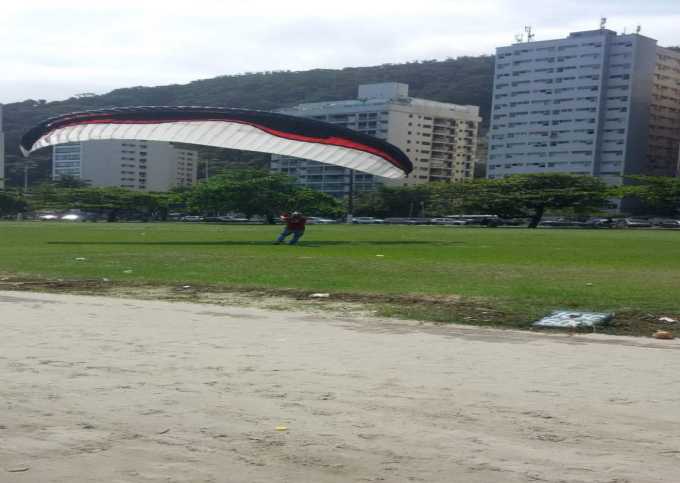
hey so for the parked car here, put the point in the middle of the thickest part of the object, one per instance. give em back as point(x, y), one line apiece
point(483, 220)
point(367, 220)
point(72, 217)
point(232, 219)
point(192, 218)
point(48, 217)
point(556, 222)
point(668, 223)
point(407, 221)
point(439, 221)
point(563, 222)
point(315, 220)
point(634, 223)
point(448, 221)
point(512, 222)
point(600, 223)
point(224, 219)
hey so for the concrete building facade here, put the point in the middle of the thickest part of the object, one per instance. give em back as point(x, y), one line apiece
point(138, 165)
point(439, 138)
point(664, 119)
point(580, 105)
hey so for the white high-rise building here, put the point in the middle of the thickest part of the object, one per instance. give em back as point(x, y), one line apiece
point(439, 138)
point(139, 165)
point(2, 153)
point(594, 103)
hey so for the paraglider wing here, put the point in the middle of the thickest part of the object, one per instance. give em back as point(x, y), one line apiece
point(226, 128)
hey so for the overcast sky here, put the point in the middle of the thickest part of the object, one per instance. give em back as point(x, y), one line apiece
point(55, 49)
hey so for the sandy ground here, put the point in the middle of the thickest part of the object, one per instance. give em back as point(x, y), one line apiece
point(118, 390)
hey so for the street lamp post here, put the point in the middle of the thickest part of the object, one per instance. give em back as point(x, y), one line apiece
point(350, 199)
point(25, 175)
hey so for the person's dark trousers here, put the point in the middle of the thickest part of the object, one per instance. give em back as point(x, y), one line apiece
point(297, 234)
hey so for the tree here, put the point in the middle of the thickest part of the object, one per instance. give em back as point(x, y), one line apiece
point(371, 203)
point(659, 194)
point(406, 201)
point(250, 192)
point(11, 203)
point(115, 201)
point(111, 201)
point(450, 198)
point(70, 182)
point(256, 192)
point(315, 203)
point(531, 195)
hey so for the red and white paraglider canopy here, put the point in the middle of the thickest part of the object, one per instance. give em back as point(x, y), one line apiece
point(226, 128)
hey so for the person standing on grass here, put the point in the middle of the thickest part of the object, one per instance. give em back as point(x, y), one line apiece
point(295, 225)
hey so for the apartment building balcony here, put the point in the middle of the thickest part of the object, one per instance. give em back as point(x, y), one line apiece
point(616, 104)
point(440, 172)
point(517, 129)
point(441, 122)
point(443, 139)
point(534, 136)
point(667, 103)
point(444, 163)
point(443, 131)
point(615, 122)
point(536, 96)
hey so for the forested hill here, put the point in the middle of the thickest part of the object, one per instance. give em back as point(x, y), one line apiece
point(465, 80)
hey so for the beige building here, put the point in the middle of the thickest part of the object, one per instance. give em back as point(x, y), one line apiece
point(664, 116)
point(138, 165)
point(439, 138)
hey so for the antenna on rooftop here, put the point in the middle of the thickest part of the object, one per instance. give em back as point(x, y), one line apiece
point(519, 38)
point(638, 29)
point(603, 23)
point(530, 34)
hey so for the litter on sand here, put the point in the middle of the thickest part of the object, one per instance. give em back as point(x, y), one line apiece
point(663, 334)
point(573, 320)
point(667, 319)
point(18, 469)
point(282, 428)
point(320, 295)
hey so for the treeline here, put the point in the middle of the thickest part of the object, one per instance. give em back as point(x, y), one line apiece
point(528, 196)
point(249, 192)
point(266, 194)
point(465, 80)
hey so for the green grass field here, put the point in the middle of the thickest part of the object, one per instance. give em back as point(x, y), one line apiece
point(519, 273)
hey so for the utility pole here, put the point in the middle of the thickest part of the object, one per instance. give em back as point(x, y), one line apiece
point(350, 199)
point(25, 175)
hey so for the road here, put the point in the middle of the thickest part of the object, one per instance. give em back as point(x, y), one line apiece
point(96, 389)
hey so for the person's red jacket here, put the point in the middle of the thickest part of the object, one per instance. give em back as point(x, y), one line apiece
point(294, 223)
